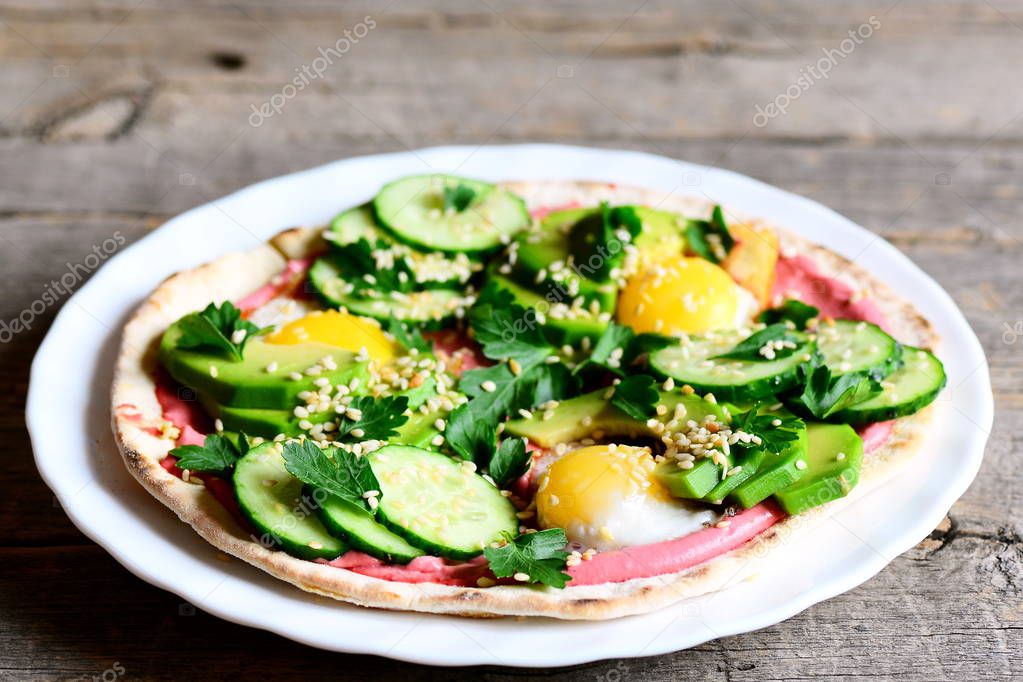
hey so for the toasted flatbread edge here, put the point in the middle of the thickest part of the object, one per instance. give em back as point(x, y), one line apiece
point(134, 408)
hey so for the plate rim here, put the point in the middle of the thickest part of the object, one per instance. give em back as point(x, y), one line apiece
point(925, 521)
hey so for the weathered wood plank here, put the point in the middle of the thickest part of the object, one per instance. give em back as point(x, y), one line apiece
point(704, 71)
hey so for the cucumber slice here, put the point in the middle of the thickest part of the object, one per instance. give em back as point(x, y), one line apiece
point(438, 504)
point(413, 210)
point(363, 532)
point(433, 306)
point(907, 390)
point(734, 380)
point(273, 501)
point(855, 346)
point(354, 224)
point(561, 324)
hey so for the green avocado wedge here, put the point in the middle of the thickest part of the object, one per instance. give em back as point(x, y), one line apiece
point(662, 233)
point(689, 484)
point(833, 461)
point(249, 382)
point(590, 413)
point(775, 473)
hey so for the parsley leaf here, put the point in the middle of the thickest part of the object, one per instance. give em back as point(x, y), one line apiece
point(509, 332)
point(636, 396)
point(541, 556)
point(633, 346)
point(333, 470)
point(471, 438)
point(356, 263)
point(471, 428)
point(408, 336)
point(216, 455)
point(824, 395)
point(510, 461)
point(220, 328)
point(784, 343)
point(710, 239)
point(796, 312)
point(599, 239)
point(773, 437)
point(377, 418)
point(459, 197)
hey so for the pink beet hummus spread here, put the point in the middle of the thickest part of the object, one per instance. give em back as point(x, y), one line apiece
point(796, 277)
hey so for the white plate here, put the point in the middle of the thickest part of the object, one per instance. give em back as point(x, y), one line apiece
point(71, 378)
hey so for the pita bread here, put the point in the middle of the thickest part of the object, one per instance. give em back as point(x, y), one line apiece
point(235, 275)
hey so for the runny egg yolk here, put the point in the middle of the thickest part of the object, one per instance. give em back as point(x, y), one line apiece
point(339, 329)
point(606, 497)
point(685, 296)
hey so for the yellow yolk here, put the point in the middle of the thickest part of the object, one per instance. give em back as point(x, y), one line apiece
point(606, 497)
point(686, 296)
point(339, 329)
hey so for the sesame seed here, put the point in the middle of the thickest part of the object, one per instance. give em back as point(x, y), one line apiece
point(488, 386)
point(218, 425)
point(521, 577)
point(272, 367)
point(437, 440)
point(840, 456)
point(214, 371)
point(800, 464)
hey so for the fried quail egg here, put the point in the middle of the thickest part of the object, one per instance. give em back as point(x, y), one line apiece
point(339, 329)
point(685, 296)
point(606, 497)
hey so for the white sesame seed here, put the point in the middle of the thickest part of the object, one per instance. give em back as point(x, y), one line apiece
point(800, 464)
point(214, 371)
point(488, 386)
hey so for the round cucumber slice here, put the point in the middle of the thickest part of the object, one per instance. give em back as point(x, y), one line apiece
point(689, 363)
point(273, 501)
point(354, 224)
point(431, 306)
point(365, 533)
point(907, 390)
point(413, 210)
point(439, 504)
point(855, 346)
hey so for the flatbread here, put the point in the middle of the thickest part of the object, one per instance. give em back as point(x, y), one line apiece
point(135, 409)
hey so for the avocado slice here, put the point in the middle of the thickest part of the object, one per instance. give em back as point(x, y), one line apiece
point(561, 331)
point(832, 468)
point(663, 234)
point(584, 415)
point(774, 473)
point(689, 484)
point(247, 383)
point(268, 423)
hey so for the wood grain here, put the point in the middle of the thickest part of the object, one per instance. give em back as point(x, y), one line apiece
point(115, 115)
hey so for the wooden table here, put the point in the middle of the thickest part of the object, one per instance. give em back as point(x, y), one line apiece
point(117, 114)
